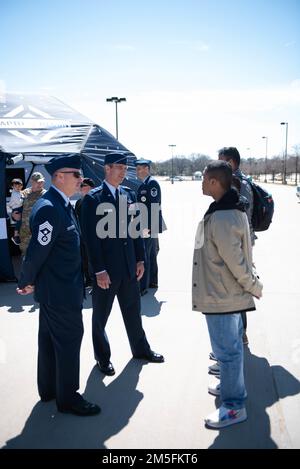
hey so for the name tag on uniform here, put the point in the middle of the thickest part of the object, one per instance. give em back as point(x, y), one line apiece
point(72, 227)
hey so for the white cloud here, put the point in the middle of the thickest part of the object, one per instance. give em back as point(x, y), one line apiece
point(295, 83)
point(2, 90)
point(200, 46)
point(290, 43)
point(202, 120)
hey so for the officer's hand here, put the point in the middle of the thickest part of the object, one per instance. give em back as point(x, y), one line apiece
point(140, 270)
point(146, 233)
point(103, 280)
point(26, 290)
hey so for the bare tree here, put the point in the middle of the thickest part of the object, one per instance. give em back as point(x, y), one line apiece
point(255, 167)
point(296, 149)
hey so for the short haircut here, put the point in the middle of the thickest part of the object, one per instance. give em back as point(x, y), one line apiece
point(88, 182)
point(230, 153)
point(221, 171)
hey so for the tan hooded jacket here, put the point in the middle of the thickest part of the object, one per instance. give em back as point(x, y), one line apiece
point(223, 278)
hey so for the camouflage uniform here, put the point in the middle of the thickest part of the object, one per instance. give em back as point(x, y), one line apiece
point(29, 200)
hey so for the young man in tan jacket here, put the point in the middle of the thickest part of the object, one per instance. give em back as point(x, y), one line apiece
point(223, 287)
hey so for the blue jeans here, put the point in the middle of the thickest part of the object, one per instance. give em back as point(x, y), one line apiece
point(225, 331)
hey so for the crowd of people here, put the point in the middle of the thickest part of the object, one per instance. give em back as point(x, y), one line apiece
point(109, 243)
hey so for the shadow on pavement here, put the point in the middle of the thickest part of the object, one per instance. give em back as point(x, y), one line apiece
point(265, 386)
point(149, 305)
point(15, 303)
point(9, 297)
point(47, 428)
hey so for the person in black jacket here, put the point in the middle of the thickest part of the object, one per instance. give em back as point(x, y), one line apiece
point(149, 194)
point(232, 156)
point(52, 268)
point(117, 261)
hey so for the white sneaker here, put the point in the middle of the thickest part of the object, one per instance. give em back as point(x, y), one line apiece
point(212, 356)
point(224, 417)
point(214, 389)
point(214, 369)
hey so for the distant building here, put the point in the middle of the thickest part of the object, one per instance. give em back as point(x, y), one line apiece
point(197, 176)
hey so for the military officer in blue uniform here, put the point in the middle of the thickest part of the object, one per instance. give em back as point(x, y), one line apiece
point(117, 261)
point(52, 268)
point(149, 193)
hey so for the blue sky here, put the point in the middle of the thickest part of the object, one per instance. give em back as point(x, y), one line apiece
point(199, 74)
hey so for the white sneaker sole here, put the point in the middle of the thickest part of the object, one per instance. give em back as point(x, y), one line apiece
point(225, 423)
point(214, 391)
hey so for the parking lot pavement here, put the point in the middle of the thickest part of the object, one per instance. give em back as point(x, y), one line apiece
point(163, 405)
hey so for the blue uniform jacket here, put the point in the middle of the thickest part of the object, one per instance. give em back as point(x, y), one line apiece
point(53, 258)
point(117, 255)
point(149, 193)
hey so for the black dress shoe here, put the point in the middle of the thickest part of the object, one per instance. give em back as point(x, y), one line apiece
point(143, 292)
point(153, 285)
point(82, 408)
point(151, 357)
point(107, 369)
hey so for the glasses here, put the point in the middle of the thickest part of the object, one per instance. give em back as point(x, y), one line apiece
point(76, 174)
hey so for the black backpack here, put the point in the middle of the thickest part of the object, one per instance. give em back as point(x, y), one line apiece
point(263, 207)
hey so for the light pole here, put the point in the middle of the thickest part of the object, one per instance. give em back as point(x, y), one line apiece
point(249, 160)
point(116, 100)
point(172, 174)
point(266, 157)
point(285, 154)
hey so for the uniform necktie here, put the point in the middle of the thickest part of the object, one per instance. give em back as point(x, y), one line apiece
point(75, 220)
point(117, 195)
point(73, 216)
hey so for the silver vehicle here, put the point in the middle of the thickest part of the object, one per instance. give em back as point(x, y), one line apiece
point(175, 178)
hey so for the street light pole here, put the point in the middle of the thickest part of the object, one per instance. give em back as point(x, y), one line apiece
point(266, 157)
point(285, 155)
point(115, 99)
point(172, 175)
point(249, 159)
